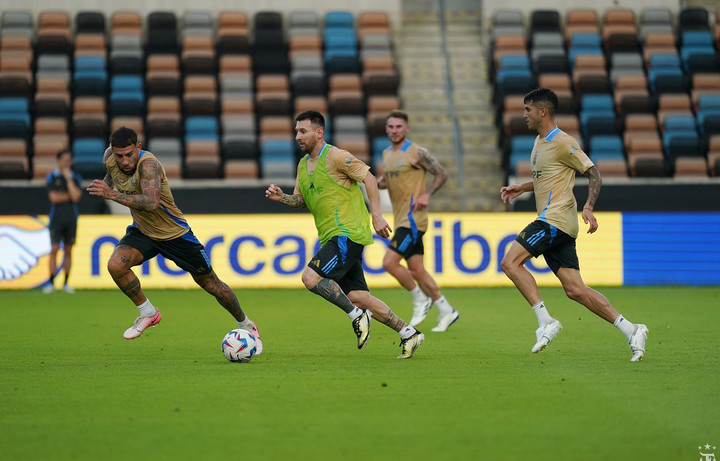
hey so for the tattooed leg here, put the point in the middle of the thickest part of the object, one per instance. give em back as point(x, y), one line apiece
point(330, 290)
point(222, 292)
point(380, 311)
point(393, 321)
point(132, 288)
point(122, 259)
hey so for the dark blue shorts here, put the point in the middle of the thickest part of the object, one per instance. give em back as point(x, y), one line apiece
point(185, 251)
point(407, 243)
point(340, 259)
point(540, 238)
point(63, 229)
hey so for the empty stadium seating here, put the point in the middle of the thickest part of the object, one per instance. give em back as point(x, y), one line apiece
point(197, 86)
point(639, 89)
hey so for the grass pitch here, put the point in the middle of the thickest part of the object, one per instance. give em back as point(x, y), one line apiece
point(72, 388)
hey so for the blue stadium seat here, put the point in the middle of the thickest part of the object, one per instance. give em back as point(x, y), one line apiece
point(379, 144)
point(340, 39)
point(696, 38)
point(708, 122)
point(689, 52)
point(685, 123)
point(87, 157)
point(606, 147)
point(90, 63)
point(127, 95)
point(201, 128)
point(277, 158)
point(339, 19)
point(708, 102)
point(90, 82)
point(666, 80)
point(586, 40)
point(504, 76)
point(520, 148)
point(681, 144)
point(664, 61)
point(597, 102)
point(14, 118)
point(514, 62)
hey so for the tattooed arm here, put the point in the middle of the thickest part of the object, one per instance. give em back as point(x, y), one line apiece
point(594, 185)
point(276, 194)
point(148, 200)
point(430, 164)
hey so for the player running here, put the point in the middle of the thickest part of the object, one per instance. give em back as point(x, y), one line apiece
point(136, 179)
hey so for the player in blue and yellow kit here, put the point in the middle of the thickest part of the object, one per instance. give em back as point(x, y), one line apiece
point(403, 171)
point(328, 185)
point(555, 158)
point(136, 179)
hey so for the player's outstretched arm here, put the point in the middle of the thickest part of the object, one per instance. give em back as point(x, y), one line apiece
point(509, 193)
point(276, 194)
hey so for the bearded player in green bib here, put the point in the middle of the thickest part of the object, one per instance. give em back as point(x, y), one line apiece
point(328, 185)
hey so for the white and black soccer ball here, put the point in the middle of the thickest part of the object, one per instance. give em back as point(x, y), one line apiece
point(239, 345)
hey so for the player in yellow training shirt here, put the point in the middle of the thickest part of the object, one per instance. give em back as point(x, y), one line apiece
point(555, 158)
point(403, 172)
point(328, 185)
point(136, 179)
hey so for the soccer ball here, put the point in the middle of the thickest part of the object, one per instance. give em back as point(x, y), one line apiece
point(239, 345)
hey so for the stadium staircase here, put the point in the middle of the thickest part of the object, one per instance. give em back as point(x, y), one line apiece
point(441, 49)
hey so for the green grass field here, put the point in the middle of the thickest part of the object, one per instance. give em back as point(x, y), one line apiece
point(72, 388)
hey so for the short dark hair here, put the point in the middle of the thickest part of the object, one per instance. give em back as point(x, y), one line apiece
point(123, 137)
point(398, 114)
point(543, 97)
point(63, 152)
point(315, 117)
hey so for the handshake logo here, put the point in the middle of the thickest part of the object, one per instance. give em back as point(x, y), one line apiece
point(20, 250)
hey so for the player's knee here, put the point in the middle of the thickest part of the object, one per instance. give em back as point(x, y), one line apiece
point(575, 292)
point(417, 272)
point(116, 267)
point(309, 278)
point(388, 265)
point(507, 266)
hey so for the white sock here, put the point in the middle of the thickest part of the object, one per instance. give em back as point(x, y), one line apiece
point(147, 309)
point(417, 294)
point(246, 324)
point(406, 332)
point(542, 314)
point(443, 305)
point(355, 313)
point(624, 325)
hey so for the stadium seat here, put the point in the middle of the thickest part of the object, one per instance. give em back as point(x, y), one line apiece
point(202, 159)
point(162, 35)
point(690, 167)
point(87, 157)
point(14, 161)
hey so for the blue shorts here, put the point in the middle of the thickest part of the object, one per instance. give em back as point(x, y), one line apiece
point(407, 243)
point(185, 251)
point(340, 259)
point(540, 238)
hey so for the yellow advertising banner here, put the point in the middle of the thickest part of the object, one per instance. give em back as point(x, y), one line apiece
point(268, 251)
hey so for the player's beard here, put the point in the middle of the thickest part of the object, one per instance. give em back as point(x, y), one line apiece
point(400, 141)
point(309, 147)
